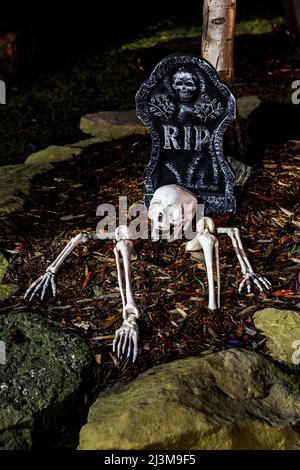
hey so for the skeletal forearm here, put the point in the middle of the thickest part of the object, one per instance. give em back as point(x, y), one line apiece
point(237, 243)
point(242, 251)
point(125, 247)
point(128, 283)
point(47, 280)
point(119, 273)
point(80, 238)
point(250, 278)
point(127, 336)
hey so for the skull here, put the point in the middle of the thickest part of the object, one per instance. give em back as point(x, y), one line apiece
point(171, 209)
point(185, 84)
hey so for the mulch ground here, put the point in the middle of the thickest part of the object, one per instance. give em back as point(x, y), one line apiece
point(170, 285)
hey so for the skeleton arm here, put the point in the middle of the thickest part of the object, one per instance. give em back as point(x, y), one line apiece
point(249, 276)
point(48, 279)
point(126, 337)
point(210, 246)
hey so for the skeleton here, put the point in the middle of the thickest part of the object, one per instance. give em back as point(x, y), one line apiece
point(184, 83)
point(172, 208)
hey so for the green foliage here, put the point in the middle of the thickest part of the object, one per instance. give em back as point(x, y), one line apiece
point(199, 281)
point(252, 27)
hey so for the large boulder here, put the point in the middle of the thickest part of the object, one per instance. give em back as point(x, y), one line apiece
point(44, 375)
point(282, 329)
point(233, 399)
point(109, 125)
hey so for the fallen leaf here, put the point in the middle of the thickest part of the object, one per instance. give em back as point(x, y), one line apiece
point(98, 358)
point(20, 246)
point(282, 292)
point(86, 278)
point(263, 197)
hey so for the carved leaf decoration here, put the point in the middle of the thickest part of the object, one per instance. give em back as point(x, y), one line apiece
point(162, 107)
point(209, 109)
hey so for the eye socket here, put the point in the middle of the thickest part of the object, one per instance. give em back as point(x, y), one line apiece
point(154, 210)
point(174, 212)
point(189, 84)
point(178, 83)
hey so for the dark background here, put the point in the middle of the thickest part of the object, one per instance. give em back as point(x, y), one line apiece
point(51, 31)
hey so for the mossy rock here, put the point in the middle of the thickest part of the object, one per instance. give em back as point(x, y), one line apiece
point(282, 329)
point(108, 125)
point(233, 399)
point(246, 105)
point(15, 184)
point(43, 383)
point(6, 290)
point(54, 153)
point(85, 143)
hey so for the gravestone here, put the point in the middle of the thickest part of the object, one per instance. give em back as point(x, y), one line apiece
point(187, 110)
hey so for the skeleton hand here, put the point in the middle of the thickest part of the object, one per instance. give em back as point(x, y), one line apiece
point(251, 279)
point(42, 283)
point(126, 338)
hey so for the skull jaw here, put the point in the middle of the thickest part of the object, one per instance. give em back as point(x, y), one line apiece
point(185, 96)
point(169, 233)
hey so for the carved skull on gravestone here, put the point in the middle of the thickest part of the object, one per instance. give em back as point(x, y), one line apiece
point(185, 84)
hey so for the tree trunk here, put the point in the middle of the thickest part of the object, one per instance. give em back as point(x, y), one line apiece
point(218, 36)
point(292, 15)
point(217, 49)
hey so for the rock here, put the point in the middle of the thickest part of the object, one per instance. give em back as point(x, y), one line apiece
point(15, 179)
point(54, 153)
point(43, 383)
point(234, 399)
point(6, 290)
point(83, 144)
point(242, 172)
point(109, 125)
point(15, 184)
point(246, 105)
point(282, 328)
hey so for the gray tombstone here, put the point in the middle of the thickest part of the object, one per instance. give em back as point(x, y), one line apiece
point(187, 110)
